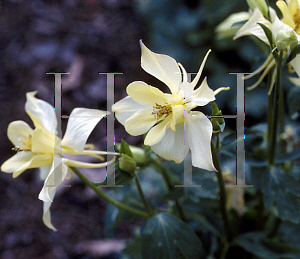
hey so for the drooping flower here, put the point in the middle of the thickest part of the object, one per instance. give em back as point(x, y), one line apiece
point(172, 128)
point(42, 148)
point(291, 16)
point(288, 26)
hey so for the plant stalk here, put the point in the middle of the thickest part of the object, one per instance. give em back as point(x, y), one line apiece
point(223, 194)
point(167, 179)
point(138, 184)
point(275, 114)
point(103, 195)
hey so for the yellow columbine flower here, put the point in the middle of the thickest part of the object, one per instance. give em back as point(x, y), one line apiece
point(289, 26)
point(167, 116)
point(291, 16)
point(41, 148)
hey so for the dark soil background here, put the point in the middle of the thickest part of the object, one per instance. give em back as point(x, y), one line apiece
point(83, 37)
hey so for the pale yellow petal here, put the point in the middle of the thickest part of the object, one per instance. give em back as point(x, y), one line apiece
point(44, 171)
point(140, 122)
point(16, 161)
point(162, 67)
point(296, 64)
point(43, 141)
point(295, 80)
point(157, 133)
point(178, 113)
point(41, 113)
point(227, 28)
point(203, 94)
point(17, 130)
point(127, 107)
point(46, 212)
point(145, 94)
point(172, 146)
point(252, 27)
point(287, 17)
point(56, 176)
point(197, 77)
point(81, 123)
point(22, 161)
point(278, 26)
point(199, 139)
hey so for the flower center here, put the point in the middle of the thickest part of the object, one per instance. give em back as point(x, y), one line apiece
point(25, 144)
point(296, 19)
point(160, 110)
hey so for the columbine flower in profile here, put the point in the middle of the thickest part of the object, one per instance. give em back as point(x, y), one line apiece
point(291, 16)
point(39, 148)
point(287, 27)
point(172, 128)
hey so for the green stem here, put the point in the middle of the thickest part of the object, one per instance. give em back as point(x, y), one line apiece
point(275, 113)
point(106, 197)
point(138, 184)
point(281, 110)
point(223, 194)
point(270, 113)
point(224, 250)
point(168, 181)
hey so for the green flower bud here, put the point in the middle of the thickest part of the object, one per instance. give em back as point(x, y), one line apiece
point(261, 5)
point(127, 164)
point(286, 40)
point(218, 123)
point(138, 154)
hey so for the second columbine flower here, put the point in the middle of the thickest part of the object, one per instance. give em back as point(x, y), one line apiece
point(173, 129)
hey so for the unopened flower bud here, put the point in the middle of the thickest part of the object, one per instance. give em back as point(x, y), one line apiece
point(127, 164)
point(217, 122)
point(261, 5)
point(138, 154)
point(286, 40)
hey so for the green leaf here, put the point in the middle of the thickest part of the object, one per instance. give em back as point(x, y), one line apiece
point(268, 33)
point(218, 122)
point(127, 164)
point(121, 177)
point(166, 236)
point(280, 187)
point(290, 233)
point(125, 149)
point(132, 249)
point(254, 243)
point(209, 185)
point(254, 148)
point(293, 54)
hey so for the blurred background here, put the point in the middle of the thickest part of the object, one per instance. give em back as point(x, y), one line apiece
point(87, 37)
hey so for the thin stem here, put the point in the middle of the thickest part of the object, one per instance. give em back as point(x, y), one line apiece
point(224, 250)
point(223, 194)
point(270, 113)
point(281, 110)
point(273, 137)
point(106, 197)
point(167, 179)
point(218, 142)
point(138, 184)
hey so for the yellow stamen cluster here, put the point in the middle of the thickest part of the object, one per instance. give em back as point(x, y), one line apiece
point(160, 110)
point(25, 144)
